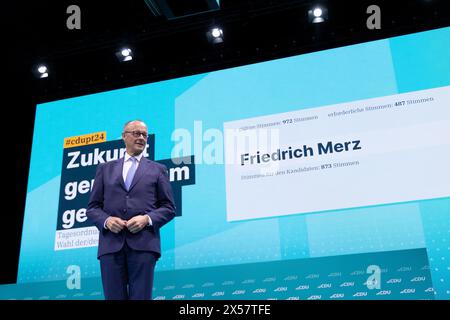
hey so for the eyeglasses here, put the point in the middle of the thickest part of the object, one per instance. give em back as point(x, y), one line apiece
point(137, 134)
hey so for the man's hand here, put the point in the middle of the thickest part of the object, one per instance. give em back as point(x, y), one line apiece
point(137, 223)
point(115, 224)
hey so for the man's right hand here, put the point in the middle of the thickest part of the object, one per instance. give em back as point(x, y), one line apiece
point(115, 224)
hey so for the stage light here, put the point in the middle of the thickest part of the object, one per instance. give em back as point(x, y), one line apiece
point(216, 32)
point(318, 14)
point(172, 9)
point(215, 35)
point(124, 55)
point(41, 71)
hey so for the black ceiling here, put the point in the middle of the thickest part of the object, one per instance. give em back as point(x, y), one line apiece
point(83, 61)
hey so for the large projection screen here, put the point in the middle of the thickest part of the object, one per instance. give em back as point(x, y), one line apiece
point(318, 176)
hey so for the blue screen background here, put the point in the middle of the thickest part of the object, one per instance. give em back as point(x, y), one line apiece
point(201, 247)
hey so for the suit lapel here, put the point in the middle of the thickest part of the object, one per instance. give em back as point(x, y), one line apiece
point(118, 172)
point(139, 172)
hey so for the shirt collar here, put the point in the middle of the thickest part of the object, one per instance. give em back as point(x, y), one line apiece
point(127, 157)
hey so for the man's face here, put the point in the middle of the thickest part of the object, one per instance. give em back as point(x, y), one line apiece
point(135, 137)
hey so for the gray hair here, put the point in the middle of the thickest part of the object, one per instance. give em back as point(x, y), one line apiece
point(128, 122)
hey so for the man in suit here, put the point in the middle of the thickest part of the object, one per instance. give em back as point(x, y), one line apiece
point(130, 201)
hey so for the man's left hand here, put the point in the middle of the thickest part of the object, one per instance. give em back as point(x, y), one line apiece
point(137, 223)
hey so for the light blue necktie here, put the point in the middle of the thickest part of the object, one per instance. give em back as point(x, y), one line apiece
point(131, 172)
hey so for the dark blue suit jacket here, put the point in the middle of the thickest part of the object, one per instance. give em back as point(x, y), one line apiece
point(150, 193)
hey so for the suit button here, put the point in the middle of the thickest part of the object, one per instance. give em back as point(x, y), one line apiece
point(127, 197)
point(124, 210)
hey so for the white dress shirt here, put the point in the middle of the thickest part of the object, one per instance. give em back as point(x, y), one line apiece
point(127, 164)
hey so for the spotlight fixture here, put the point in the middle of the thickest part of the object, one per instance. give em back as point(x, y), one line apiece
point(124, 55)
point(318, 14)
point(40, 71)
point(174, 9)
point(215, 35)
